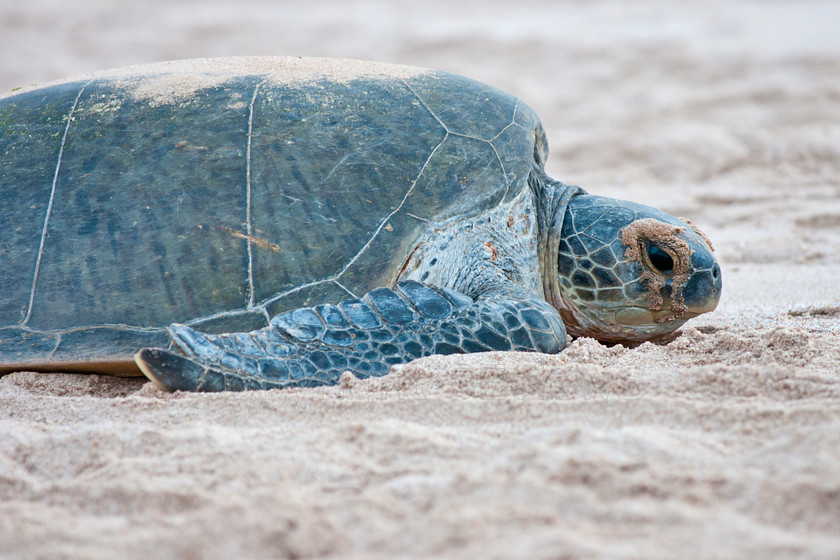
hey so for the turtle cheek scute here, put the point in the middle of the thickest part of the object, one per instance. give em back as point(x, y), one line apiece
point(635, 293)
point(565, 265)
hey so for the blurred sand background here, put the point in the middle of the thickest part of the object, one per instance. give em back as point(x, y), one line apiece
point(724, 443)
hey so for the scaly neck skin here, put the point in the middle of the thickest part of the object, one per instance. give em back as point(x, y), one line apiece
point(496, 250)
point(552, 200)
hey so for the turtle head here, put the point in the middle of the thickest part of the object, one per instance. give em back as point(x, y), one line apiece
point(626, 272)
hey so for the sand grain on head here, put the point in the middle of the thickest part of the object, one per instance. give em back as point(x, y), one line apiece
point(664, 235)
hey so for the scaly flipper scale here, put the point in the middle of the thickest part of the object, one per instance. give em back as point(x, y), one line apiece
point(312, 346)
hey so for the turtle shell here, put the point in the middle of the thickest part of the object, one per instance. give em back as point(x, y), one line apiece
point(221, 192)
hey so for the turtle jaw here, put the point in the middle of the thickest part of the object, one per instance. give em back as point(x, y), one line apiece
point(629, 324)
point(622, 325)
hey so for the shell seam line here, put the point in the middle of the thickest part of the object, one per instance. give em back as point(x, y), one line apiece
point(55, 347)
point(391, 215)
point(504, 171)
point(345, 288)
point(261, 307)
point(50, 207)
point(78, 328)
point(461, 134)
point(248, 225)
point(507, 126)
point(512, 121)
point(429, 109)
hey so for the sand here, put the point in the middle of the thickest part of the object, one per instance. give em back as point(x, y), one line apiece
point(723, 443)
point(172, 80)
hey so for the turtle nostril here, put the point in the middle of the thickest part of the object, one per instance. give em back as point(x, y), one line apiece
point(660, 260)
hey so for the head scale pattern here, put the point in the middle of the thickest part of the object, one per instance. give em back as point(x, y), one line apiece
point(623, 268)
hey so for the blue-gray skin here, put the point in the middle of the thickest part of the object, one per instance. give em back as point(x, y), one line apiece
point(241, 205)
point(618, 271)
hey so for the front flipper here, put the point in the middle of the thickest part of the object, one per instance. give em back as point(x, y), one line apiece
point(314, 345)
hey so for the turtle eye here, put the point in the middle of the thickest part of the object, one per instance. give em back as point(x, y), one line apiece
point(660, 260)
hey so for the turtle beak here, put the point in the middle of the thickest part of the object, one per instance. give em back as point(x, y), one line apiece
point(702, 291)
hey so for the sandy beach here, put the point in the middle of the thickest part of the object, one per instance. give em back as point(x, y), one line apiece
point(722, 443)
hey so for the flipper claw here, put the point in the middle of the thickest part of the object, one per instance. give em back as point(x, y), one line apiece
point(173, 372)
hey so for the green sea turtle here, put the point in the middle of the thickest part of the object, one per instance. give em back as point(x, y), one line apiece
point(261, 223)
